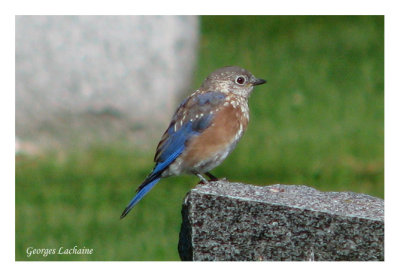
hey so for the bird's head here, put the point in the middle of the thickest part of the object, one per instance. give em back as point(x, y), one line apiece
point(232, 79)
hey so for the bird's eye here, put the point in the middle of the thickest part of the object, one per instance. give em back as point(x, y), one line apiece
point(240, 80)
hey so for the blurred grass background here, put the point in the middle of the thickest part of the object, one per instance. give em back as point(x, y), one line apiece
point(319, 121)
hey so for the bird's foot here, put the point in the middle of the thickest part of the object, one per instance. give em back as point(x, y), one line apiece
point(203, 180)
point(212, 177)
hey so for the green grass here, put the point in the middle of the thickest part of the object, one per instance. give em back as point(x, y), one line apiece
point(318, 121)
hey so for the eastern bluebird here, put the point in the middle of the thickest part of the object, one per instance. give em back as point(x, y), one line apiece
point(204, 129)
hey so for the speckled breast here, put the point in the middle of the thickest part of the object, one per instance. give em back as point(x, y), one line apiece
point(210, 148)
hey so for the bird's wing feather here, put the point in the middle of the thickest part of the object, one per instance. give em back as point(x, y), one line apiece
point(191, 118)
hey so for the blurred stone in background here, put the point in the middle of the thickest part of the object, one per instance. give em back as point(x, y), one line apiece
point(82, 80)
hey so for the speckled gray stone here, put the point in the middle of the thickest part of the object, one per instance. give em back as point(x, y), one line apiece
point(82, 80)
point(226, 221)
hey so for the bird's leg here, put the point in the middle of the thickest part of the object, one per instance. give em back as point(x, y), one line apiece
point(212, 177)
point(203, 180)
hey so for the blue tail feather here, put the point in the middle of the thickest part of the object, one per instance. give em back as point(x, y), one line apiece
point(145, 189)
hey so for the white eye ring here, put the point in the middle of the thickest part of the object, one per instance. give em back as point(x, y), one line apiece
point(240, 80)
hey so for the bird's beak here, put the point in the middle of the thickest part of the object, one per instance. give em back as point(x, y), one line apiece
point(257, 82)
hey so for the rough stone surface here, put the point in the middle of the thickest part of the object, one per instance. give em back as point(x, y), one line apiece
point(100, 78)
point(226, 221)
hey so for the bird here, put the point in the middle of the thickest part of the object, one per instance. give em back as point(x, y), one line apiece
point(204, 130)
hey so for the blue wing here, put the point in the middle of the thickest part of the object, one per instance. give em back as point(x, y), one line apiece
point(183, 127)
point(192, 117)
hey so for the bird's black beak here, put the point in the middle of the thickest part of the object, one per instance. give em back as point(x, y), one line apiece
point(258, 82)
